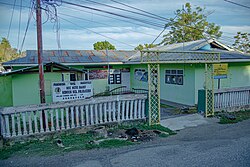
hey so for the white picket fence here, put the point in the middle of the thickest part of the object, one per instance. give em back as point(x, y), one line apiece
point(232, 99)
point(28, 120)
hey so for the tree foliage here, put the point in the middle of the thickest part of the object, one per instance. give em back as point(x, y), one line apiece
point(6, 51)
point(189, 25)
point(103, 45)
point(242, 42)
point(145, 46)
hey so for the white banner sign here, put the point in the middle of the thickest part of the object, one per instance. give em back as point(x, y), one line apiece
point(71, 90)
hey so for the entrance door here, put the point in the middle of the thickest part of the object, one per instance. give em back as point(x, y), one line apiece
point(126, 79)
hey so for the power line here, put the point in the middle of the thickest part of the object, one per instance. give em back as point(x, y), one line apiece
point(139, 9)
point(97, 32)
point(111, 13)
point(114, 7)
point(101, 23)
point(237, 4)
point(98, 14)
point(11, 19)
point(27, 25)
point(19, 25)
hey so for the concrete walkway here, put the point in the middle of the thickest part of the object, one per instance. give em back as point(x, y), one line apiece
point(181, 122)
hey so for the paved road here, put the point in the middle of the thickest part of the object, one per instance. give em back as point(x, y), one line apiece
point(207, 145)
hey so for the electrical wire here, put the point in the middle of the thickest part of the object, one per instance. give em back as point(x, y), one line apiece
point(103, 23)
point(27, 25)
point(19, 25)
point(97, 32)
point(237, 4)
point(114, 7)
point(111, 13)
point(139, 10)
point(11, 18)
point(98, 14)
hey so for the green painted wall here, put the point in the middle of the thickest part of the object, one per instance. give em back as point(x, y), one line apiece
point(5, 91)
point(238, 76)
point(183, 94)
point(26, 88)
point(136, 83)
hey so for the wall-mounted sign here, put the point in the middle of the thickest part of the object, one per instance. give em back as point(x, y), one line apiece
point(71, 90)
point(98, 74)
point(220, 71)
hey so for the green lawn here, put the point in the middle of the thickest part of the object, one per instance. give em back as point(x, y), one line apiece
point(71, 141)
point(240, 116)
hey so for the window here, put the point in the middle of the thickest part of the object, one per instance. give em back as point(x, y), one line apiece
point(69, 77)
point(115, 77)
point(174, 77)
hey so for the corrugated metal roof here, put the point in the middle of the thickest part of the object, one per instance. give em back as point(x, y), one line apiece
point(183, 51)
point(73, 56)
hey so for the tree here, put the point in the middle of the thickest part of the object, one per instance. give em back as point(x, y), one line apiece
point(242, 42)
point(6, 51)
point(103, 45)
point(190, 25)
point(145, 46)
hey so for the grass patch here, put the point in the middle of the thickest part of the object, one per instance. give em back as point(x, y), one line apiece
point(71, 142)
point(114, 143)
point(166, 106)
point(240, 116)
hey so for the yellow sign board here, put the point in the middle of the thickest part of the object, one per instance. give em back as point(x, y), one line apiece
point(220, 71)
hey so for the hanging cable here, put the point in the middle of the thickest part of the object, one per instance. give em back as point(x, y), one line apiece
point(97, 33)
point(140, 10)
point(19, 25)
point(114, 7)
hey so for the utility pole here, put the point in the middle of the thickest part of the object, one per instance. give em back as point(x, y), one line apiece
point(40, 54)
point(40, 50)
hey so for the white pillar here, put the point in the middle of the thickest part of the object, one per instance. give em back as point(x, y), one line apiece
point(131, 109)
point(77, 116)
point(114, 111)
point(87, 114)
point(41, 122)
point(119, 111)
point(30, 124)
point(52, 120)
point(19, 131)
point(143, 108)
point(100, 113)
point(91, 115)
point(35, 122)
point(109, 110)
point(24, 123)
point(127, 109)
point(72, 117)
point(139, 109)
point(7, 126)
point(13, 124)
point(135, 109)
point(105, 112)
point(67, 118)
point(96, 114)
point(46, 121)
point(3, 130)
point(123, 110)
point(62, 119)
point(57, 120)
point(82, 119)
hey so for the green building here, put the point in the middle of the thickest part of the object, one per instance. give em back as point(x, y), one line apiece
point(179, 81)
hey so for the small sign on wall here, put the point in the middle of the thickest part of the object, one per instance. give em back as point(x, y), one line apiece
point(71, 90)
point(220, 71)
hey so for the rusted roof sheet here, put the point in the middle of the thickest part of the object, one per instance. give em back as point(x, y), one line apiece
point(73, 56)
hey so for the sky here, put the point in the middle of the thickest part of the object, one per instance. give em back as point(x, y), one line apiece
point(79, 28)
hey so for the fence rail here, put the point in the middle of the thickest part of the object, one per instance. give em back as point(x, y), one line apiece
point(28, 120)
point(232, 99)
